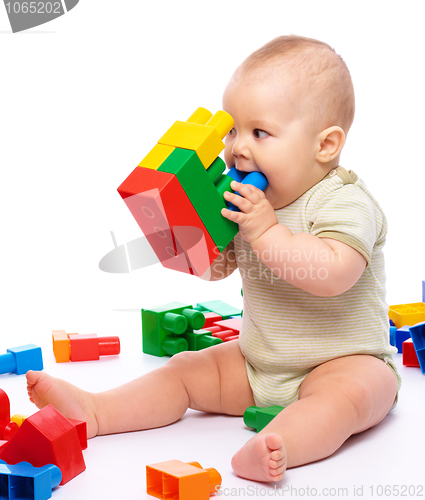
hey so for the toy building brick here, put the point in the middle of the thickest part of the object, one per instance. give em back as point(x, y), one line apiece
point(407, 314)
point(176, 192)
point(175, 327)
point(46, 437)
point(181, 481)
point(257, 418)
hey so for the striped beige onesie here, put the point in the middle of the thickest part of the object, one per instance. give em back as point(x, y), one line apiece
point(286, 332)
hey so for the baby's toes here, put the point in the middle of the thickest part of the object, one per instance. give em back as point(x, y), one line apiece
point(277, 477)
point(276, 455)
point(279, 464)
point(278, 472)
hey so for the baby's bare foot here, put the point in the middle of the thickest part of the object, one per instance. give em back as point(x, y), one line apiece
point(263, 458)
point(71, 401)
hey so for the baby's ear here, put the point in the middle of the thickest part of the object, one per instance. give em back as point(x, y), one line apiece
point(331, 142)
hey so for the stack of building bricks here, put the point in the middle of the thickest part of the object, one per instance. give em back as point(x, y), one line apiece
point(86, 347)
point(407, 331)
point(39, 452)
point(176, 193)
point(176, 327)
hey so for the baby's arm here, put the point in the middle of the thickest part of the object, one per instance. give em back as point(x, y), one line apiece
point(223, 266)
point(320, 266)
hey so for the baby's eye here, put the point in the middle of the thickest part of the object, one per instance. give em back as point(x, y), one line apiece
point(260, 134)
point(233, 131)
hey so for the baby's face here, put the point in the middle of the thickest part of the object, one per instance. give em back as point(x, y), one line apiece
point(270, 137)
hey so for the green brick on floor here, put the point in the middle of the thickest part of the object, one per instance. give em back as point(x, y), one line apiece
point(200, 340)
point(218, 307)
point(257, 418)
point(153, 333)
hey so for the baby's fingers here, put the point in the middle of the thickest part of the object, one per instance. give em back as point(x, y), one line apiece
point(249, 192)
point(237, 217)
point(242, 203)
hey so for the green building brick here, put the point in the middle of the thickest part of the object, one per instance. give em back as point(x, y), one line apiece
point(219, 307)
point(161, 327)
point(202, 192)
point(200, 340)
point(257, 418)
point(168, 329)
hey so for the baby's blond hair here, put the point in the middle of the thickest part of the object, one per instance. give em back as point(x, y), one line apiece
point(319, 77)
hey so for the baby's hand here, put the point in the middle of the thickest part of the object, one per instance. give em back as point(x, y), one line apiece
point(256, 214)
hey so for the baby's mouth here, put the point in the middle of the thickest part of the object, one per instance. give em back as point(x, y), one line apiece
point(248, 170)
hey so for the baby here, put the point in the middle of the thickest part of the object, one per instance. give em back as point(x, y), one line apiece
point(309, 249)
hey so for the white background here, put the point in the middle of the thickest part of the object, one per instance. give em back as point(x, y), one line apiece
point(86, 96)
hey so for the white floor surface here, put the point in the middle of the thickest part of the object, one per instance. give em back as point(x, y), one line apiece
point(390, 455)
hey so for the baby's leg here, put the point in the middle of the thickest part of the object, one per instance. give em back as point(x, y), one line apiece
point(339, 398)
point(212, 380)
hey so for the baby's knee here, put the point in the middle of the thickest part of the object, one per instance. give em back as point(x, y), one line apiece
point(371, 401)
point(184, 360)
point(177, 360)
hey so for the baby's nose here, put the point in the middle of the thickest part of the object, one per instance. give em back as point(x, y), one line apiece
point(238, 149)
